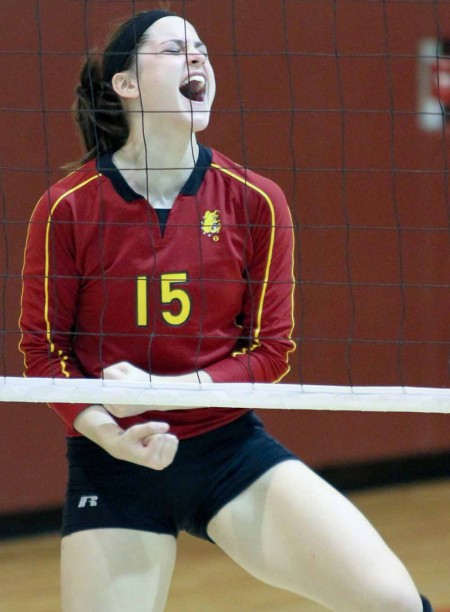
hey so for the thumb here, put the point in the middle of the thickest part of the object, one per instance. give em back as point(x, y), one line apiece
point(148, 429)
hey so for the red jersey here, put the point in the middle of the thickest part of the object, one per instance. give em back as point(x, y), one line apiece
point(103, 282)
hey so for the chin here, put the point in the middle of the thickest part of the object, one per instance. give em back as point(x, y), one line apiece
point(201, 124)
point(197, 120)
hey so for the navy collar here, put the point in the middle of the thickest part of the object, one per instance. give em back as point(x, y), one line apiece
point(106, 166)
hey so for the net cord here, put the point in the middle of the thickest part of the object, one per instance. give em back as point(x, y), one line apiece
point(226, 395)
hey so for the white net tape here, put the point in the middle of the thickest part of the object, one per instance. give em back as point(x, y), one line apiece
point(232, 395)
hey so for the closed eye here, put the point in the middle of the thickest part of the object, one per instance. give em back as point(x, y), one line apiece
point(201, 48)
point(181, 47)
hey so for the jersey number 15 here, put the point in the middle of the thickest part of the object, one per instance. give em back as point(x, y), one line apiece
point(175, 301)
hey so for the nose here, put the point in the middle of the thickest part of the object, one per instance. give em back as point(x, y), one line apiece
point(194, 56)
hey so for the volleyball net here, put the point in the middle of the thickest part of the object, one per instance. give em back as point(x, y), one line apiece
point(345, 104)
point(227, 395)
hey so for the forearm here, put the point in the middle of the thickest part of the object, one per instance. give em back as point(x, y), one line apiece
point(265, 364)
point(125, 371)
point(97, 424)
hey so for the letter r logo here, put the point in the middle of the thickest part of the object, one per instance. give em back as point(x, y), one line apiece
point(88, 500)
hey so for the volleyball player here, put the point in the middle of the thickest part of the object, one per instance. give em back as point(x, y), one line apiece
point(161, 259)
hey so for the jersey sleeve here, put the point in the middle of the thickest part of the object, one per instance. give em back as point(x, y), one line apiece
point(267, 319)
point(50, 282)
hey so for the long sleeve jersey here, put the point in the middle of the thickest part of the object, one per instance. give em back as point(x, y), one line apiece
point(103, 282)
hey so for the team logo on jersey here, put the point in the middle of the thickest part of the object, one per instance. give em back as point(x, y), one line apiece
point(211, 224)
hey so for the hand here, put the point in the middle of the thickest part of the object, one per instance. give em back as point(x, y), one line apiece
point(125, 371)
point(148, 445)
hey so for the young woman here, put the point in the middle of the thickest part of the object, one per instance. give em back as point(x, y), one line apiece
point(161, 258)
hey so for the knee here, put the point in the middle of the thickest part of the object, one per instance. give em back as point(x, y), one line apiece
point(395, 598)
point(389, 588)
point(379, 592)
point(403, 602)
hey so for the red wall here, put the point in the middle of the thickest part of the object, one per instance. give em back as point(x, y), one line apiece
point(321, 100)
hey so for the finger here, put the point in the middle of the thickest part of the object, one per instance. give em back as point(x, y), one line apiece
point(165, 447)
point(124, 367)
point(117, 370)
point(168, 450)
point(146, 431)
point(161, 451)
point(112, 373)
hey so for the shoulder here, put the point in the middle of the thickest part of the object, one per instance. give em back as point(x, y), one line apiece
point(245, 179)
point(80, 185)
point(86, 178)
point(251, 187)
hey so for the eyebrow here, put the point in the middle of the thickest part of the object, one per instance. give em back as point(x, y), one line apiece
point(182, 42)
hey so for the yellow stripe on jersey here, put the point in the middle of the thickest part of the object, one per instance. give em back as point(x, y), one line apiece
point(257, 331)
point(63, 358)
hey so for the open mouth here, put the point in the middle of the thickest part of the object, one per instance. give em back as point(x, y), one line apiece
point(194, 88)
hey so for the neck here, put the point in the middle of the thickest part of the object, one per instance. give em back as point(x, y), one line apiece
point(157, 166)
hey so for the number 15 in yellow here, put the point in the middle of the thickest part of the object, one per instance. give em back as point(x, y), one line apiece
point(170, 294)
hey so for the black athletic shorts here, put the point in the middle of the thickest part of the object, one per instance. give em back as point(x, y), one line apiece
point(208, 471)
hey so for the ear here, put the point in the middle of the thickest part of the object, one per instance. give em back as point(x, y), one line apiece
point(125, 85)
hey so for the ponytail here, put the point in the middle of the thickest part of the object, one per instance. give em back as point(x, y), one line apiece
point(99, 113)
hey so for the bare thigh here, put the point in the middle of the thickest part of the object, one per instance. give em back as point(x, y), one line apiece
point(294, 531)
point(116, 570)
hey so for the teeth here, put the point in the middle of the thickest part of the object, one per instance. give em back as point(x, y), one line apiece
point(197, 78)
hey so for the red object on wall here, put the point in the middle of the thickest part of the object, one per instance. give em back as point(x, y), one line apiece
point(440, 80)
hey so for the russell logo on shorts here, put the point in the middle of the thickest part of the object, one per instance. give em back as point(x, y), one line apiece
point(88, 501)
